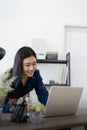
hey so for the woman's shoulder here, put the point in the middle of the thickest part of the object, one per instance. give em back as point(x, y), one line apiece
point(37, 74)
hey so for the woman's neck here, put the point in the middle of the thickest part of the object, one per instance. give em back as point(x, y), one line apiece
point(24, 80)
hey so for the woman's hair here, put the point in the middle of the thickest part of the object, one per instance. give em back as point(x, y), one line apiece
point(21, 54)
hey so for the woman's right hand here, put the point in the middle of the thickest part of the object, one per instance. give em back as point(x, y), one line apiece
point(12, 100)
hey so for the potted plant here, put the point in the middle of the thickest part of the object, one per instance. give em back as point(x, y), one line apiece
point(5, 86)
point(36, 112)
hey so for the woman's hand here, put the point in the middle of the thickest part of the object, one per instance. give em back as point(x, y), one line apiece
point(12, 100)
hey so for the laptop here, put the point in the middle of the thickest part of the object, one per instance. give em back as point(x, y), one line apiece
point(63, 101)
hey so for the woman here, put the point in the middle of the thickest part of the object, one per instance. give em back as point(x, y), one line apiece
point(28, 78)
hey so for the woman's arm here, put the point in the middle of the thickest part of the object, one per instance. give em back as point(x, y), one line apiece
point(40, 89)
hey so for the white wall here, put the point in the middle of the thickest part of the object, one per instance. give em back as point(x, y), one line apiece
point(76, 43)
point(23, 20)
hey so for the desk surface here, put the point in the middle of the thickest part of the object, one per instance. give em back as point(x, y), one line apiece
point(53, 123)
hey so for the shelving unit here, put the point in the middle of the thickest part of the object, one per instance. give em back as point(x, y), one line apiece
point(66, 62)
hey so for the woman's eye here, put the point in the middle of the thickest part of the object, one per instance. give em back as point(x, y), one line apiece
point(27, 65)
point(31, 64)
point(34, 63)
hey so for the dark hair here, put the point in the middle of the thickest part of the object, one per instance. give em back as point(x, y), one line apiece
point(21, 54)
point(2, 53)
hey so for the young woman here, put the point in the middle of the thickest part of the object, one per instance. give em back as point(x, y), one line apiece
point(28, 78)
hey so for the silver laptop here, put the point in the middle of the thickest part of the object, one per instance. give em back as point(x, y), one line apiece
point(63, 101)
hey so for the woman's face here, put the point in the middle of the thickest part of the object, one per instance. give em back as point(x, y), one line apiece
point(29, 66)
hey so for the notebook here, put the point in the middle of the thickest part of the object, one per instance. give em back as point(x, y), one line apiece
point(63, 101)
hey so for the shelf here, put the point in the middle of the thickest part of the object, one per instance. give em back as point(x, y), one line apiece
point(57, 85)
point(52, 61)
point(66, 62)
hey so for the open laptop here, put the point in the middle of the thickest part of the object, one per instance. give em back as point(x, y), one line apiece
point(63, 101)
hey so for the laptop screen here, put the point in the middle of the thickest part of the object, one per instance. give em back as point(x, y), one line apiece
point(63, 101)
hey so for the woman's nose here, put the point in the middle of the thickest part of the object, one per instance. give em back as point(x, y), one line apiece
point(31, 67)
